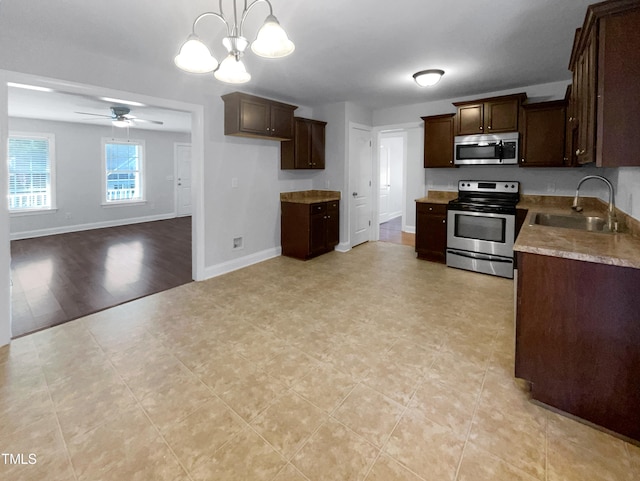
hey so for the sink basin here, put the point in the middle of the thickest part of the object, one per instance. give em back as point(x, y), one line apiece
point(575, 221)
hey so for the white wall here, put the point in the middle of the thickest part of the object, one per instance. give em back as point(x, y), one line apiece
point(5, 252)
point(78, 164)
point(628, 191)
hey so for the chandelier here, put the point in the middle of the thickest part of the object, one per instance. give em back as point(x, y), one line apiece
point(271, 42)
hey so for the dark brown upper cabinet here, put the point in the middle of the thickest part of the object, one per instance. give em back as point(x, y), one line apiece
point(250, 116)
point(605, 91)
point(438, 140)
point(485, 116)
point(543, 134)
point(307, 150)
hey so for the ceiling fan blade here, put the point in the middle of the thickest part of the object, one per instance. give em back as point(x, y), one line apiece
point(136, 119)
point(97, 115)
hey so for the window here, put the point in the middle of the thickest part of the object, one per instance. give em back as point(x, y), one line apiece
point(31, 172)
point(124, 171)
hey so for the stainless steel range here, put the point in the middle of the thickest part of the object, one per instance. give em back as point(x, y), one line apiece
point(481, 226)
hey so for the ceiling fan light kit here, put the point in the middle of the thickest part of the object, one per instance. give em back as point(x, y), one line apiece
point(428, 78)
point(271, 42)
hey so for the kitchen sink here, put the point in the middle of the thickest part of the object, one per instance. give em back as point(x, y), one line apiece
point(571, 221)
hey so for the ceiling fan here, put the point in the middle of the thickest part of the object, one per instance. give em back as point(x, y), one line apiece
point(120, 117)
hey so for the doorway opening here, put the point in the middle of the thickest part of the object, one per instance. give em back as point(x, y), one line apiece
point(125, 273)
point(392, 190)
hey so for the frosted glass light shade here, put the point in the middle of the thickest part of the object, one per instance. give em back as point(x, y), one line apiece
point(232, 71)
point(194, 57)
point(272, 41)
point(120, 123)
point(428, 78)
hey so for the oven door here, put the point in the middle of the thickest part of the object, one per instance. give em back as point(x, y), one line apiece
point(481, 232)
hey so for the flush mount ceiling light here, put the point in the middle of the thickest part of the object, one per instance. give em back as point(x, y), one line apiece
point(428, 78)
point(271, 42)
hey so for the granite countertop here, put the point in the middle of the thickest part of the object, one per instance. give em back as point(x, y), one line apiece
point(309, 196)
point(620, 249)
point(438, 197)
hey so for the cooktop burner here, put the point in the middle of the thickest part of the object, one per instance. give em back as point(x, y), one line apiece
point(487, 196)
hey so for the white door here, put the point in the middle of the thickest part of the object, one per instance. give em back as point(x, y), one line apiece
point(183, 180)
point(385, 184)
point(360, 185)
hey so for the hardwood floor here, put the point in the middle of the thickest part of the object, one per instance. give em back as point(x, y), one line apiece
point(391, 231)
point(62, 277)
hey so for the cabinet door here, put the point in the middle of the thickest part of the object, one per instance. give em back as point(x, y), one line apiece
point(254, 116)
point(431, 231)
point(438, 140)
point(317, 234)
point(470, 119)
point(281, 122)
point(317, 145)
point(333, 224)
point(302, 145)
point(585, 86)
point(544, 134)
point(501, 116)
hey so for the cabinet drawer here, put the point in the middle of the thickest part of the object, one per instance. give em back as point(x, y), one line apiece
point(319, 208)
point(436, 209)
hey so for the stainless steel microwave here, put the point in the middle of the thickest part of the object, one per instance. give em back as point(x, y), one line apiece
point(492, 149)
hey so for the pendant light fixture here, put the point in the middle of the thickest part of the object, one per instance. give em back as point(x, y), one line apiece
point(271, 42)
point(428, 78)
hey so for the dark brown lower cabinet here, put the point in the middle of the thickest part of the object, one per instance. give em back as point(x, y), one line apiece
point(431, 231)
point(308, 230)
point(578, 339)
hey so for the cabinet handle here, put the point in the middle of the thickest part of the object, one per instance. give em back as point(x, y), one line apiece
point(268, 129)
point(481, 127)
point(580, 152)
point(489, 127)
point(444, 221)
point(430, 208)
point(522, 160)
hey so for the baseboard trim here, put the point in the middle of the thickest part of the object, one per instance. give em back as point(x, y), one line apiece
point(94, 225)
point(409, 229)
point(246, 261)
point(343, 247)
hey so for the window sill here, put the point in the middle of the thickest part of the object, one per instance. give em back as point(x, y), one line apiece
point(28, 212)
point(123, 204)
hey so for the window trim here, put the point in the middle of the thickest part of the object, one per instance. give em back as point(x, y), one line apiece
point(143, 177)
point(51, 138)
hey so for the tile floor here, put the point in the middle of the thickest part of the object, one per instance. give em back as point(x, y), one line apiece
point(369, 365)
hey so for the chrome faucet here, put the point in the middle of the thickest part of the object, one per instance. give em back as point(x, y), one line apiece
point(612, 222)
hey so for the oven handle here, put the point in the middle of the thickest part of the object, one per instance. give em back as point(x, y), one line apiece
point(482, 257)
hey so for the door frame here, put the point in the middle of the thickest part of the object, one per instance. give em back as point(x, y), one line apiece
point(398, 132)
point(401, 129)
point(197, 170)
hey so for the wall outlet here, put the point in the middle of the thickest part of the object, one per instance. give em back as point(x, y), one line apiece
point(238, 243)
